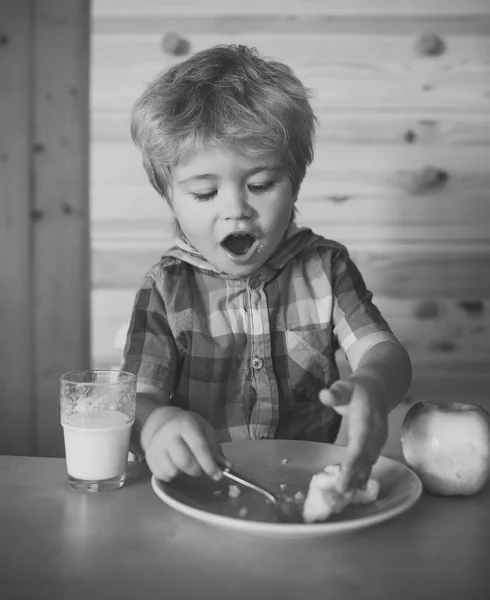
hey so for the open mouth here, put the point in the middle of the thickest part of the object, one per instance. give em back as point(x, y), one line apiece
point(239, 244)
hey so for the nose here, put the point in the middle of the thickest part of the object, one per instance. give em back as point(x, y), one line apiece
point(235, 206)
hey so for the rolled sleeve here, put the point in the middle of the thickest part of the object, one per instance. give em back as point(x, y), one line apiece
point(354, 313)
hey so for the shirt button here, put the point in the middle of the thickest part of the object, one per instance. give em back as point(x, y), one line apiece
point(254, 282)
point(257, 363)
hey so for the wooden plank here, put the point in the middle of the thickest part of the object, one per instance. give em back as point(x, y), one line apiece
point(326, 7)
point(401, 270)
point(390, 269)
point(439, 334)
point(454, 333)
point(299, 22)
point(338, 170)
point(361, 128)
point(357, 225)
point(343, 71)
point(439, 217)
point(16, 409)
point(61, 237)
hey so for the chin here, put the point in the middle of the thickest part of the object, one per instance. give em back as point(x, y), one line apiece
point(241, 270)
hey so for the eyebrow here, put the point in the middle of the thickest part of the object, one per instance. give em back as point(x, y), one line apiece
point(211, 176)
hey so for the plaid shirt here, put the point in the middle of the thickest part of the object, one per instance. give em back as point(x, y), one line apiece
point(251, 354)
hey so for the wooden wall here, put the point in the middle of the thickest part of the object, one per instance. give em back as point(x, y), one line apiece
point(44, 238)
point(402, 169)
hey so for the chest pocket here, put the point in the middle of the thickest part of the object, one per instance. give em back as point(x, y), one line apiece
point(310, 357)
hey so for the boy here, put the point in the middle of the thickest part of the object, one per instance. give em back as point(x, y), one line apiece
point(234, 331)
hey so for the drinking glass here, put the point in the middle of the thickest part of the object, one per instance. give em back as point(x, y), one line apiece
point(97, 409)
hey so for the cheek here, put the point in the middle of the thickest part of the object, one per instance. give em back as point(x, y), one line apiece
point(280, 215)
point(194, 220)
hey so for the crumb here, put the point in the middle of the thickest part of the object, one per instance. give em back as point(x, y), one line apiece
point(332, 469)
point(233, 491)
point(242, 513)
point(299, 496)
point(283, 486)
point(217, 492)
point(285, 461)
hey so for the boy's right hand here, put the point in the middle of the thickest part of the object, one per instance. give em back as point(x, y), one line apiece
point(182, 442)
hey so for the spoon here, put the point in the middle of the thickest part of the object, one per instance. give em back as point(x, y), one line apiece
point(234, 476)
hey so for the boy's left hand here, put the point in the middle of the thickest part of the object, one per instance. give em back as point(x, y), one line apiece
point(367, 428)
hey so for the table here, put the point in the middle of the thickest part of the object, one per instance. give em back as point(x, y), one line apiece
point(57, 543)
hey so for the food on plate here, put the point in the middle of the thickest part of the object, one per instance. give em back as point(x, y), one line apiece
point(448, 445)
point(233, 491)
point(324, 499)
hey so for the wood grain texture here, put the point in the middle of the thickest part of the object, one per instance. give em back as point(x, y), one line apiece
point(139, 217)
point(326, 7)
point(353, 128)
point(61, 238)
point(16, 409)
point(299, 22)
point(138, 47)
point(350, 84)
point(338, 169)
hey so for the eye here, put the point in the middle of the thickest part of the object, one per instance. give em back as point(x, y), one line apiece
point(263, 187)
point(204, 197)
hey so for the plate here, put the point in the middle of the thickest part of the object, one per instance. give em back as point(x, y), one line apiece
point(285, 467)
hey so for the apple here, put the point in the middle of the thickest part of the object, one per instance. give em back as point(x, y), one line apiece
point(448, 445)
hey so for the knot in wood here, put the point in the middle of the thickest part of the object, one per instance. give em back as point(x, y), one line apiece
point(430, 44)
point(428, 178)
point(175, 44)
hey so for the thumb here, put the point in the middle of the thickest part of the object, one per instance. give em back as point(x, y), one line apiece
point(338, 394)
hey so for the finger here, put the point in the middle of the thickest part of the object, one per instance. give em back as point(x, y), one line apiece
point(183, 457)
point(221, 460)
point(354, 476)
point(358, 461)
point(338, 394)
point(160, 464)
point(215, 447)
point(206, 454)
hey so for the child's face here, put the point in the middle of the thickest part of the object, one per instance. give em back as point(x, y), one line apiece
point(218, 192)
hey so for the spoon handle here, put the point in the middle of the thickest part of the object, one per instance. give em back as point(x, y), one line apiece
point(229, 474)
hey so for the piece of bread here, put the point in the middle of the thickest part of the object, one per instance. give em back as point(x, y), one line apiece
point(324, 499)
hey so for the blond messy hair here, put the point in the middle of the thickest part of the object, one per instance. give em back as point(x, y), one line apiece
point(224, 95)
